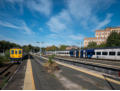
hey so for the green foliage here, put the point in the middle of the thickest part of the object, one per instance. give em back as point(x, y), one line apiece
point(3, 59)
point(5, 45)
point(113, 40)
point(26, 49)
point(101, 45)
point(92, 45)
point(51, 48)
point(7, 54)
point(63, 47)
point(50, 59)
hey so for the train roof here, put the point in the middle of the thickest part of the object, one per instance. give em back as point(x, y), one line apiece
point(104, 48)
point(16, 48)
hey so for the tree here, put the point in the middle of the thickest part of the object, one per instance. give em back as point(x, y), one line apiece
point(113, 40)
point(92, 45)
point(63, 47)
point(51, 48)
point(6, 45)
point(102, 45)
point(26, 49)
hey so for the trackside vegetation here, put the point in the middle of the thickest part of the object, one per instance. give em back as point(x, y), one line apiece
point(51, 66)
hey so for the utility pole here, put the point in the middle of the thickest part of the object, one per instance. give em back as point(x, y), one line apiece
point(40, 47)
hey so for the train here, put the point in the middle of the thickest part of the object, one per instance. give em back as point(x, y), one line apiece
point(112, 53)
point(16, 55)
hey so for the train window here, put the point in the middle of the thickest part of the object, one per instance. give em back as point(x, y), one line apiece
point(112, 53)
point(20, 52)
point(118, 53)
point(104, 53)
point(12, 51)
point(93, 53)
point(98, 53)
point(15, 51)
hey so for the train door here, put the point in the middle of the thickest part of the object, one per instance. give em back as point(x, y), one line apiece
point(77, 53)
point(81, 53)
point(16, 53)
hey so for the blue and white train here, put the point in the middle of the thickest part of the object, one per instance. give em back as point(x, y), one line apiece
point(97, 53)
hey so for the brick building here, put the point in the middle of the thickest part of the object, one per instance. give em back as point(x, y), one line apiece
point(101, 36)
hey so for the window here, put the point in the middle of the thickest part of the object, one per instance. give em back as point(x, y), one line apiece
point(118, 53)
point(93, 53)
point(12, 51)
point(112, 53)
point(104, 53)
point(20, 52)
point(98, 53)
point(15, 51)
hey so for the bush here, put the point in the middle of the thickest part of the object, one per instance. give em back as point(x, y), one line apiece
point(50, 59)
point(7, 54)
point(5, 58)
point(50, 65)
point(2, 59)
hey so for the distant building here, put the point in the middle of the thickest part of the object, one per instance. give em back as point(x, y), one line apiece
point(101, 36)
point(71, 47)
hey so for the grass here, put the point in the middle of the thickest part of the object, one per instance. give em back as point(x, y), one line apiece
point(3, 82)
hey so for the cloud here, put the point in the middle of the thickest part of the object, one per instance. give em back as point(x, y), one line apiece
point(7, 24)
point(77, 37)
point(2, 37)
point(86, 11)
point(59, 22)
point(22, 26)
point(15, 1)
point(26, 28)
point(106, 21)
point(41, 29)
point(41, 6)
point(82, 12)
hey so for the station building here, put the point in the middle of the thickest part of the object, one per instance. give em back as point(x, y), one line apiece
point(101, 36)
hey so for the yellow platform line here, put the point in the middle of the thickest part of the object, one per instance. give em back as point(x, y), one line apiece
point(87, 72)
point(29, 80)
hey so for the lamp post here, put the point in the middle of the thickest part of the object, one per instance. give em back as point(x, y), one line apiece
point(40, 46)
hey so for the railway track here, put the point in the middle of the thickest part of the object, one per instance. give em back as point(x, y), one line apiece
point(100, 67)
point(7, 73)
point(108, 62)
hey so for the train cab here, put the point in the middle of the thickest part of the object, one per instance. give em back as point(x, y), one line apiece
point(16, 54)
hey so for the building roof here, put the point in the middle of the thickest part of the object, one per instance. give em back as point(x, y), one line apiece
point(107, 29)
point(94, 38)
point(99, 31)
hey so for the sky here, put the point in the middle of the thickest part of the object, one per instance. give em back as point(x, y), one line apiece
point(56, 22)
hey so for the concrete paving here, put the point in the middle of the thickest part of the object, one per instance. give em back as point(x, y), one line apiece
point(87, 79)
point(43, 80)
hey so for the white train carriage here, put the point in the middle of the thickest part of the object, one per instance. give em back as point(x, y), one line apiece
point(107, 53)
point(58, 53)
point(62, 53)
point(50, 52)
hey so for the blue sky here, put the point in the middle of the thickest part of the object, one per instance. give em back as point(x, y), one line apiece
point(55, 22)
